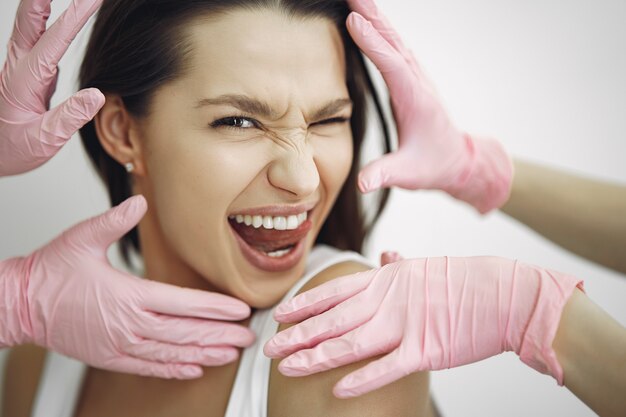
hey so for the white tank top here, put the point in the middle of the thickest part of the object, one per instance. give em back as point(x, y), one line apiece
point(61, 381)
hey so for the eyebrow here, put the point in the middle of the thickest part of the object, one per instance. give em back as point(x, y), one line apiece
point(257, 107)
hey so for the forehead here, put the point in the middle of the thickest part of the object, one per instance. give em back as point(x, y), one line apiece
point(265, 52)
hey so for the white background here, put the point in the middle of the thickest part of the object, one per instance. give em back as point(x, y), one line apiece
point(545, 78)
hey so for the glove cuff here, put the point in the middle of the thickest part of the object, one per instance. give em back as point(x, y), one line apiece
point(486, 182)
point(536, 350)
point(15, 323)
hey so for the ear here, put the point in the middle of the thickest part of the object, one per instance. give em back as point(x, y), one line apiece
point(118, 133)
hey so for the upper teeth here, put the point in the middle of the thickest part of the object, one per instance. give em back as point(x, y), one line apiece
point(272, 222)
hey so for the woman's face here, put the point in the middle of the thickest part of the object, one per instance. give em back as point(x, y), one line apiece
point(245, 154)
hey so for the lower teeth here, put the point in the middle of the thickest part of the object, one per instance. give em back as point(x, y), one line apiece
point(279, 253)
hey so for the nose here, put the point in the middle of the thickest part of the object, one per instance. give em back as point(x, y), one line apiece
point(295, 170)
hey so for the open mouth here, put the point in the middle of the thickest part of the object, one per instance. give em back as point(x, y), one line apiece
point(272, 243)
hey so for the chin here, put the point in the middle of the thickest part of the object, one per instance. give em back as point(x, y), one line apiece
point(266, 291)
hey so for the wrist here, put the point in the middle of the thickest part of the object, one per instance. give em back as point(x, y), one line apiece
point(485, 181)
point(15, 322)
point(549, 292)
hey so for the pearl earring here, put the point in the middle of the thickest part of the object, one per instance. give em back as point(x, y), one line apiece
point(130, 167)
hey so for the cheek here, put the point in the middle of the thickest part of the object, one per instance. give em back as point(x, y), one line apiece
point(186, 196)
point(333, 157)
point(192, 183)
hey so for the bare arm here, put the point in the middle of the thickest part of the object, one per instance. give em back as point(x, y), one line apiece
point(584, 216)
point(591, 347)
point(21, 379)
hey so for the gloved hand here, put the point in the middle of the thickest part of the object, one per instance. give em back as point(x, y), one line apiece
point(425, 314)
point(29, 133)
point(67, 297)
point(433, 153)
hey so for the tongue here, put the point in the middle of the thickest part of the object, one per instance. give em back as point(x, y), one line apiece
point(270, 240)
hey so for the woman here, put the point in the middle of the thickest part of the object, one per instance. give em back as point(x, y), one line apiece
point(241, 124)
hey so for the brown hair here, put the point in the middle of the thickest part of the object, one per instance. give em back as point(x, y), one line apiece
point(137, 46)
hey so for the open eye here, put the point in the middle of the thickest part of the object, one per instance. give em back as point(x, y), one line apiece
point(236, 122)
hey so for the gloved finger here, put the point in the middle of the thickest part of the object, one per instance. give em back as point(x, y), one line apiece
point(30, 24)
point(389, 62)
point(47, 134)
point(186, 302)
point(170, 353)
point(372, 376)
point(59, 124)
point(384, 172)
point(53, 44)
point(99, 232)
point(322, 298)
point(188, 331)
point(333, 323)
point(389, 257)
point(356, 345)
point(142, 367)
point(369, 10)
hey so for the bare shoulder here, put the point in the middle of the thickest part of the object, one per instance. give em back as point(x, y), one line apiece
point(312, 395)
point(334, 271)
point(21, 378)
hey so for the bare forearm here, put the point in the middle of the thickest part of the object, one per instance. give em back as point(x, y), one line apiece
point(584, 216)
point(591, 348)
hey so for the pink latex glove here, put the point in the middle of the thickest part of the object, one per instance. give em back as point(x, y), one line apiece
point(425, 314)
point(433, 153)
point(29, 133)
point(67, 297)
